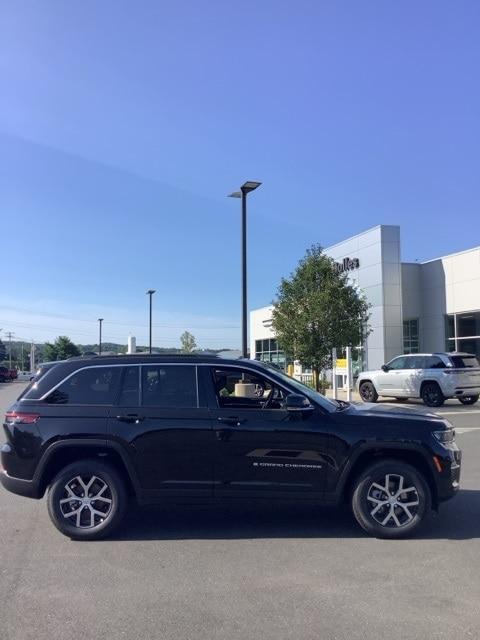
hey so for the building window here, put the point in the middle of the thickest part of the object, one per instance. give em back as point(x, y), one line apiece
point(410, 336)
point(267, 350)
point(462, 332)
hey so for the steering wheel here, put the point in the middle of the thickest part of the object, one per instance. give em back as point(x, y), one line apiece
point(259, 389)
point(269, 401)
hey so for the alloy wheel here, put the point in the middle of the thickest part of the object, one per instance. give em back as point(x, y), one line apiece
point(86, 501)
point(391, 503)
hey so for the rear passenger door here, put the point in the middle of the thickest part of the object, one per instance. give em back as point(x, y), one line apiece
point(163, 422)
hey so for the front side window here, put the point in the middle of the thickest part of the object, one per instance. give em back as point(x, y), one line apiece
point(397, 363)
point(245, 389)
point(169, 386)
point(92, 386)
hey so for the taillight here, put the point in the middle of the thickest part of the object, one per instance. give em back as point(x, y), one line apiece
point(18, 417)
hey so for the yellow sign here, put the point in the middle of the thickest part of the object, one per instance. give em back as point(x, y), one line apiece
point(341, 363)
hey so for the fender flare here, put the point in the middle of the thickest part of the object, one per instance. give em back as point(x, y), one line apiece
point(87, 442)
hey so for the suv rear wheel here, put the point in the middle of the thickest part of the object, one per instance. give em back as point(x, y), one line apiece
point(390, 499)
point(368, 392)
point(87, 500)
point(468, 399)
point(432, 395)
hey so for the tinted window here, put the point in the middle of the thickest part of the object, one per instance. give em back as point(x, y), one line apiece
point(97, 385)
point(433, 362)
point(461, 362)
point(169, 386)
point(397, 363)
point(415, 362)
point(129, 394)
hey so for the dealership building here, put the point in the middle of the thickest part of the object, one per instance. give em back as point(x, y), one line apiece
point(415, 307)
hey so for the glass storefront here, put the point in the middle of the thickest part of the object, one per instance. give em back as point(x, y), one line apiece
point(462, 332)
point(268, 350)
point(411, 342)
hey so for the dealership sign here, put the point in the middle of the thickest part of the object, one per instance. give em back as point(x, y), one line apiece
point(347, 264)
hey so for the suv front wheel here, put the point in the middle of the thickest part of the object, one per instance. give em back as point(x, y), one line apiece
point(390, 499)
point(367, 391)
point(87, 500)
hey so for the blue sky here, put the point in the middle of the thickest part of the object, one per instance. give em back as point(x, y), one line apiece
point(124, 125)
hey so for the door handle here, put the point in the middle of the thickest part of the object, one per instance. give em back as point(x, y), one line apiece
point(234, 421)
point(131, 418)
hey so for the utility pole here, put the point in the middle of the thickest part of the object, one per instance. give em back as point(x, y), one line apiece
point(9, 335)
point(32, 357)
point(100, 320)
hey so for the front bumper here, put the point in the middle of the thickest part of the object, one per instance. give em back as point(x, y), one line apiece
point(448, 480)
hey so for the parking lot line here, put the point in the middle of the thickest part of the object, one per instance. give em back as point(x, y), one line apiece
point(455, 412)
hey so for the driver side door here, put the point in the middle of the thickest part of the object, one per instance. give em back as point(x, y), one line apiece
point(263, 450)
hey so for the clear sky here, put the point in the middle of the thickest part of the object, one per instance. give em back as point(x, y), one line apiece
point(123, 125)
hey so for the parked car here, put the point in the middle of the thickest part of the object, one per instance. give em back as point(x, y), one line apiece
point(13, 374)
point(433, 377)
point(25, 375)
point(95, 432)
point(5, 374)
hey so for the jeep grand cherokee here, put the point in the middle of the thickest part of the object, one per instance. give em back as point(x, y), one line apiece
point(96, 432)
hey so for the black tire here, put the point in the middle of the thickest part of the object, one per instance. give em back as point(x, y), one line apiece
point(401, 399)
point(469, 399)
point(368, 392)
point(401, 522)
point(111, 513)
point(432, 395)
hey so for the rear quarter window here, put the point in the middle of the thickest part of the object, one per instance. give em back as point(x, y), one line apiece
point(91, 386)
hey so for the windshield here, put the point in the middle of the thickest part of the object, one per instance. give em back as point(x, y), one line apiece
point(313, 395)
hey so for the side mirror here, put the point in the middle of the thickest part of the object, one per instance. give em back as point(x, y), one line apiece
point(385, 368)
point(297, 402)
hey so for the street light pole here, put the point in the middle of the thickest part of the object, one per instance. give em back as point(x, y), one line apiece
point(100, 320)
point(150, 293)
point(244, 190)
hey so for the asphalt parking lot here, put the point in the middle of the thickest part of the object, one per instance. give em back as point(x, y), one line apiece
point(211, 573)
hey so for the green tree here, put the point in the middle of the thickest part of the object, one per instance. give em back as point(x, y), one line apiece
point(61, 349)
point(317, 310)
point(188, 342)
point(3, 351)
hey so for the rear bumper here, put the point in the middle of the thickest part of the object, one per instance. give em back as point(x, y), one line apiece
point(26, 488)
point(466, 391)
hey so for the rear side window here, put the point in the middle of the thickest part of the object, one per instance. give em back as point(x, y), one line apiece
point(415, 362)
point(129, 393)
point(434, 362)
point(169, 386)
point(96, 385)
point(465, 362)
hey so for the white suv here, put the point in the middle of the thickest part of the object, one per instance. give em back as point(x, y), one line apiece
point(434, 377)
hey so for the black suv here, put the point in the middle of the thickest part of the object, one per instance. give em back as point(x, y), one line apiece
point(99, 431)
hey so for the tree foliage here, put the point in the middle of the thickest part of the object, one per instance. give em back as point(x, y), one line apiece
point(61, 349)
point(317, 310)
point(3, 351)
point(188, 342)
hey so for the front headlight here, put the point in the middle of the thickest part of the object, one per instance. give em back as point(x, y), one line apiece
point(447, 436)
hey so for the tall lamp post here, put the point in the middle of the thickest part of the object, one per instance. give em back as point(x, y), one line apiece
point(150, 293)
point(245, 189)
point(100, 320)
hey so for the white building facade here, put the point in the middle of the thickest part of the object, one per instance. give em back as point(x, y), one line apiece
point(415, 307)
